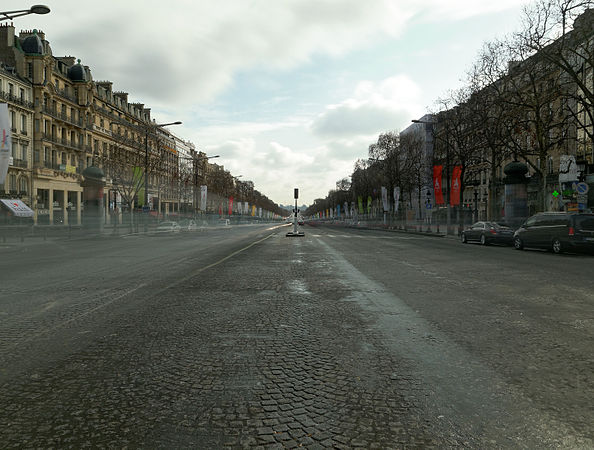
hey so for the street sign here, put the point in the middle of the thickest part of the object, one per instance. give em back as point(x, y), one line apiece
point(582, 198)
point(582, 188)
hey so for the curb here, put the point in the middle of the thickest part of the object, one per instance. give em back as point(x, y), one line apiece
point(418, 233)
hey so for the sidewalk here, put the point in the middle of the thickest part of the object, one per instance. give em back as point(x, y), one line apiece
point(433, 230)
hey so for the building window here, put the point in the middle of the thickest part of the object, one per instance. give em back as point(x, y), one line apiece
point(37, 125)
point(46, 154)
point(22, 94)
point(550, 165)
point(23, 124)
point(36, 155)
point(13, 120)
point(24, 152)
point(23, 186)
point(15, 149)
point(11, 88)
point(12, 183)
point(64, 155)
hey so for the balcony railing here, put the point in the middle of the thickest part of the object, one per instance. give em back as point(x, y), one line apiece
point(64, 93)
point(19, 163)
point(64, 142)
point(63, 116)
point(14, 99)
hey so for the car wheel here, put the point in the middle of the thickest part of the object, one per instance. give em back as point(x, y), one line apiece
point(464, 241)
point(483, 240)
point(518, 244)
point(556, 246)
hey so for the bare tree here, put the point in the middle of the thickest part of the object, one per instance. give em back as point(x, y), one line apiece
point(561, 32)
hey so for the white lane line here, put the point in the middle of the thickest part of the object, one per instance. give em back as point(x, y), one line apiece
point(78, 316)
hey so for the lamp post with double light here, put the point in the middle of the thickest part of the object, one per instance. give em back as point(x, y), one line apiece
point(195, 160)
point(35, 9)
point(149, 128)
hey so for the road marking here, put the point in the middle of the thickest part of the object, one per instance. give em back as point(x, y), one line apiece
point(78, 316)
point(222, 260)
point(129, 291)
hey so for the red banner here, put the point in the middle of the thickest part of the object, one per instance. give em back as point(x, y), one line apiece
point(230, 205)
point(437, 185)
point(456, 181)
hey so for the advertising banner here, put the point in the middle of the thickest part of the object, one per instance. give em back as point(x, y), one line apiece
point(137, 180)
point(5, 143)
point(396, 198)
point(437, 185)
point(346, 209)
point(203, 195)
point(253, 210)
point(568, 170)
point(230, 206)
point(338, 210)
point(369, 202)
point(385, 199)
point(246, 208)
point(456, 181)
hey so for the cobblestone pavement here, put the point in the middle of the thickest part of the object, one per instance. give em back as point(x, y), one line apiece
point(276, 343)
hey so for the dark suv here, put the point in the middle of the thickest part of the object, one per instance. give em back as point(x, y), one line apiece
point(558, 232)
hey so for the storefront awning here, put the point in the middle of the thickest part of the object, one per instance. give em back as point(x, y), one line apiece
point(18, 208)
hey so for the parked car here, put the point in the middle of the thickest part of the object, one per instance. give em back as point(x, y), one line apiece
point(558, 232)
point(188, 225)
point(488, 233)
point(168, 227)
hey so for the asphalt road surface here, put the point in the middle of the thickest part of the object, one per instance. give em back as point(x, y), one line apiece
point(242, 337)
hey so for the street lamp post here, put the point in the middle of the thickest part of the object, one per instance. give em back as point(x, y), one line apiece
point(35, 9)
point(195, 160)
point(433, 123)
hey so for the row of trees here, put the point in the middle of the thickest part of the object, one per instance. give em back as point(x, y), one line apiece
point(527, 97)
point(172, 176)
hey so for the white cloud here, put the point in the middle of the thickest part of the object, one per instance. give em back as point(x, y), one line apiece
point(189, 51)
point(444, 10)
point(375, 107)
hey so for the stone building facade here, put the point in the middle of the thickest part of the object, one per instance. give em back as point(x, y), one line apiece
point(65, 122)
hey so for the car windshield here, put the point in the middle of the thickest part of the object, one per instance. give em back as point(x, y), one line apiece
point(297, 224)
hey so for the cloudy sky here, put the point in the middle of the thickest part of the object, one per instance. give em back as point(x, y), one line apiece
point(289, 93)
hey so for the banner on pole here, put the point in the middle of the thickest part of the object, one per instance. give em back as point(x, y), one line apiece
point(396, 198)
point(203, 194)
point(456, 181)
point(230, 206)
point(5, 143)
point(137, 179)
point(437, 185)
point(385, 199)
